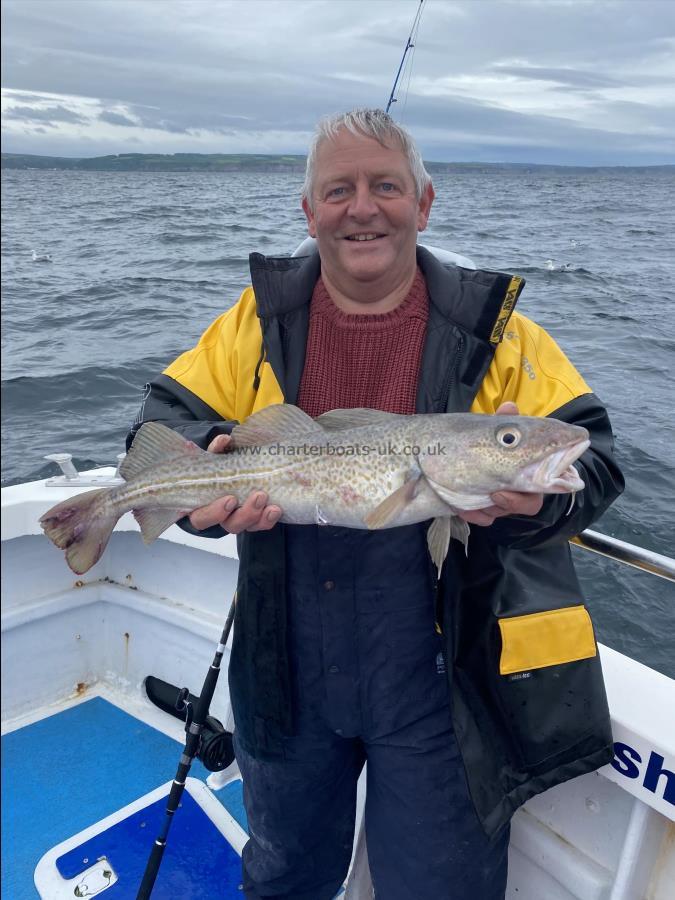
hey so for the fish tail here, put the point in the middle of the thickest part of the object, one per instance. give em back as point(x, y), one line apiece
point(81, 526)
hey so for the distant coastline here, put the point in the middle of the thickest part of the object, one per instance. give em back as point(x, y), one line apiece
point(157, 162)
point(249, 162)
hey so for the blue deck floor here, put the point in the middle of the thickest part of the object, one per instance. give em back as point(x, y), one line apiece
point(69, 771)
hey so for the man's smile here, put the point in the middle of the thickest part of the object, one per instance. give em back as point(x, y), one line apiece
point(364, 236)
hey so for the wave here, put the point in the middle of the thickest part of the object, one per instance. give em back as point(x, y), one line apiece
point(25, 393)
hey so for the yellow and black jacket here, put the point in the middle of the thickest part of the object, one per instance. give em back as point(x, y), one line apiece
point(529, 705)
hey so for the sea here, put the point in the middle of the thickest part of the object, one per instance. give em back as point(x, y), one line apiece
point(107, 277)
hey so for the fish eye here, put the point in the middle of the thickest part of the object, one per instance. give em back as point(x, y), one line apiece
point(508, 436)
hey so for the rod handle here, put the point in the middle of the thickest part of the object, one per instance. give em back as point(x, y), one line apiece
point(151, 871)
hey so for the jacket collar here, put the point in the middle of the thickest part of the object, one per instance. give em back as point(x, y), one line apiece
point(473, 299)
point(283, 284)
point(470, 298)
point(468, 311)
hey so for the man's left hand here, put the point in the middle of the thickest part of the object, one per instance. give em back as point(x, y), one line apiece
point(505, 503)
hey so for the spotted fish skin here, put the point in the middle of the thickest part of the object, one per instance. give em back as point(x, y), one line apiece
point(355, 468)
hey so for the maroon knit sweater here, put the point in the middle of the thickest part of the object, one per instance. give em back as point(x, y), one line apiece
point(365, 360)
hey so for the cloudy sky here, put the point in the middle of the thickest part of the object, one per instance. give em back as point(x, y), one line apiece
point(560, 81)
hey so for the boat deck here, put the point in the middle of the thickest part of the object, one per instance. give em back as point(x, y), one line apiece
point(66, 772)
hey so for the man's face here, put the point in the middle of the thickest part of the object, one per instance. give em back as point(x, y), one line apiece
point(365, 214)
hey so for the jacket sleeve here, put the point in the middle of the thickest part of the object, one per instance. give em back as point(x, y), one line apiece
point(169, 402)
point(530, 369)
point(209, 389)
point(195, 393)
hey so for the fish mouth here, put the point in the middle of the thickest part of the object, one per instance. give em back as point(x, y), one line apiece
point(555, 473)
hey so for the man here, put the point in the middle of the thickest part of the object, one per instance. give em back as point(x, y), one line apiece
point(465, 696)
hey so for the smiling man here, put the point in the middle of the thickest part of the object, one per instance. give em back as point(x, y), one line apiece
point(465, 696)
point(365, 209)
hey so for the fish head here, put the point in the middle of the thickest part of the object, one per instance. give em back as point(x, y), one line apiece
point(484, 454)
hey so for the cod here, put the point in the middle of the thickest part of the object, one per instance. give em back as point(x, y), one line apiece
point(359, 468)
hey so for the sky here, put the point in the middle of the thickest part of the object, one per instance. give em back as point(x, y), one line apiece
point(572, 82)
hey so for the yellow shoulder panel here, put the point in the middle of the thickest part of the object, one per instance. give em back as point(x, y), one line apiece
point(530, 369)
point(220, 370)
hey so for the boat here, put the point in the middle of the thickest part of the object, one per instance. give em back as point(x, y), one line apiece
point(88, 759)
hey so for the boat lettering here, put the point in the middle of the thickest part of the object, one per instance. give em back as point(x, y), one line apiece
point(627, 762)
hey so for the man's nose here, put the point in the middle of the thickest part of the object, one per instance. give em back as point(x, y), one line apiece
point(362, 205)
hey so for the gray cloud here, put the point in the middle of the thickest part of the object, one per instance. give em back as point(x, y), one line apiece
point(49, 115)
point(217, 74)
point(572, 78)
point(23, 96)
point(113, 118)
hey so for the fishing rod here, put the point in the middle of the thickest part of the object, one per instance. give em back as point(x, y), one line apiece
point(195, 725)
point(408, 46)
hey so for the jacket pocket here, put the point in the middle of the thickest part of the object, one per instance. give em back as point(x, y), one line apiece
point(548, 685)
point(543, 639)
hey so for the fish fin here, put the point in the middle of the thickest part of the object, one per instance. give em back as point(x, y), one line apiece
point(155, 521)
point(455, 499)
point(459, 529)
point(155, 443)
point(440, 532)
point(438, 540)
point(82, 527)
point(274, 423)
point(343, 419)
point(395, 503)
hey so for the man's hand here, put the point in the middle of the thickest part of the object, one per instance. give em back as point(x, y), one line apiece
point(253, 515)
point(506, 503)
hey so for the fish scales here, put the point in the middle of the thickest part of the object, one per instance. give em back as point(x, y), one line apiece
point(355, 468)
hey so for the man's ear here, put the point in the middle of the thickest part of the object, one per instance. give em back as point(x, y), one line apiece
point(426, 200)
point(311, 228)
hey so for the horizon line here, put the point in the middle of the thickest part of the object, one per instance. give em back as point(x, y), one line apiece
point(302, 157)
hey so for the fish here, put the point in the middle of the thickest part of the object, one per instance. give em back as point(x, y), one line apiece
point(358, 468)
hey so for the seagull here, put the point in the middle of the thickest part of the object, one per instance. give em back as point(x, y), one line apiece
point(42, 257)
point(550, 265)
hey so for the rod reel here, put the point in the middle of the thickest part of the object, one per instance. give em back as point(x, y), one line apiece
point(215, 747)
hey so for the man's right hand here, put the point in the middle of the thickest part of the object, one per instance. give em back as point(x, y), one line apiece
point(253, 515)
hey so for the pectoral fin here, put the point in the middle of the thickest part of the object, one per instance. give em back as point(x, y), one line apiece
point(439, 534)
point(385, 514)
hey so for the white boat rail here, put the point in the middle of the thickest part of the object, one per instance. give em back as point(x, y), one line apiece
point(629, 554)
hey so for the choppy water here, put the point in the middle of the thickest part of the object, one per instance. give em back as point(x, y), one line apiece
point(141, 263)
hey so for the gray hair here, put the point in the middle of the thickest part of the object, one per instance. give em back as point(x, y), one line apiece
point(373, 123)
